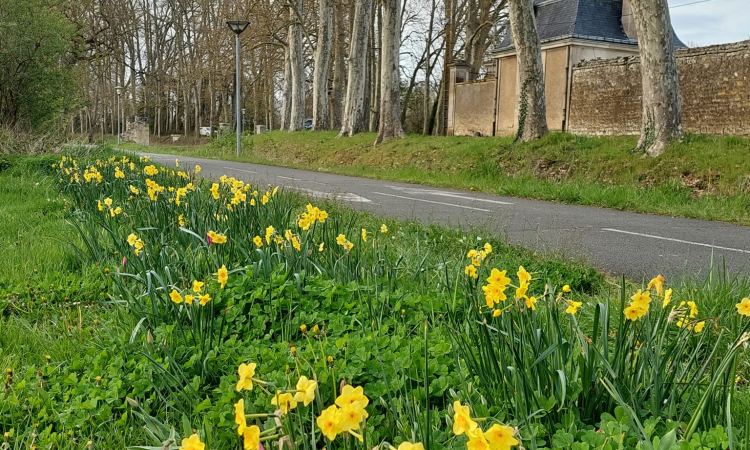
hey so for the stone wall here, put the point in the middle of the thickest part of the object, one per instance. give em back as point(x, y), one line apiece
point(714, 86)
point(137, 130)
point(474, 108)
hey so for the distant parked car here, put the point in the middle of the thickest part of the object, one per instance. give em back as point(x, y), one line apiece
point(205, 131)
point(308, 123)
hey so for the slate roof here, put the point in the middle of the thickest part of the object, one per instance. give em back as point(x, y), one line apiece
point(597, 20)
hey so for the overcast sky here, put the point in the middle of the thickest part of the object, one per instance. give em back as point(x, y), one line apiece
point(711, 22)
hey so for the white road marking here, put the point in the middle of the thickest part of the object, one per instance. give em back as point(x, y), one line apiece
point(417, 191)
point(288, 178)
point(300, 179)
point(346, 196)
point(241, 170)
point(430, 201)
point(681, 241)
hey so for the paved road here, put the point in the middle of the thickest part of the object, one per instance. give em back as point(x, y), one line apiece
point(636, 245)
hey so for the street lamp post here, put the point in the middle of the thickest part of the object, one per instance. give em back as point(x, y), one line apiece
point(238, 26)
point(118, 89)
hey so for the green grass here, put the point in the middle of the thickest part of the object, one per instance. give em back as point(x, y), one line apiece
point(703, 177)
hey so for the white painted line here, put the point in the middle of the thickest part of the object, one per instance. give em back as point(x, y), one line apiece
point(417, 191)
point(300, 179)
point(677, 240)
point(346, 196)
point(241, 170)
point(430, 201)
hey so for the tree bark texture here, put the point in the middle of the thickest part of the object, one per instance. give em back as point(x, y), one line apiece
point(390, 104)
point(339, 66)
point(322, 65)
point(297, 64)
point(286, 91)
point(661, 121)
point(354, 112)
point(532, 113)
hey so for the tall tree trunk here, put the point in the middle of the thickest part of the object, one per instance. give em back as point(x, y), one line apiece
point(426, 125)
point(661, 120)
point(375, 64)
point(390, 105)
point(286, 91)
point(297, 64)
point(355, 89)
point(532, 115)
point(339, 68)
point(322, 65)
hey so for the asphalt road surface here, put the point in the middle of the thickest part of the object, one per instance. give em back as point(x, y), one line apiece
point(636, 245)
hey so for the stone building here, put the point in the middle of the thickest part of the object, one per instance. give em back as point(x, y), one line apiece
point(574, 31)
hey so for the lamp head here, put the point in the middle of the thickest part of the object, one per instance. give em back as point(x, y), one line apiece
point(118, 89)
point(243, 111)
point(238, 26)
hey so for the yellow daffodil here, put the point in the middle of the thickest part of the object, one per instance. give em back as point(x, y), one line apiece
point(462, 421)
point(641, 297)
point(743, 307)
point(328, 422)
point(350, 417)
point(471, 271)
point(192, 443)
point(351, 395)
point(364, 235)
point(246, 373)
point(215, 191)
point(500, 437)
point(197, 286)
point(477, 440)
point(566, 288)
point(487, 248)
point(175, 296)
point(239, 416)
point(305, 389)
point(498, 278)
point(383, 229)
point(269, 232)
point(285, 402)
point(205, 298)
point(657, 283)
point(197, 169)
point(108, 201)
point(497, 313)
point(573, 307)
point(410, 446)
point(494, 293)
point(222, 276)
point(132, 238)
point(522, 290)
point(296, 244)
point(189, 299)
point(472, 254)
point(531, 303)
point(667, 297)
point(635, 311)
point(251, 438)
point(523, 276)
point(699, 326)
point(258, 241)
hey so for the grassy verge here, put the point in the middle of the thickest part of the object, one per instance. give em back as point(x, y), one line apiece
point(703, 177)
point(419, 317)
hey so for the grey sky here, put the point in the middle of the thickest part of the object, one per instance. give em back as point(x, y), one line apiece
point(711, 22)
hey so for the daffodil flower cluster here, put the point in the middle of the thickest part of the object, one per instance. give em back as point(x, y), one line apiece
point(113, 211)
point(477, 257)
point(136, 243)
point(497, 437)
point(197, 294)
point(344, 243)
point(312, 215)
point(346, 415)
